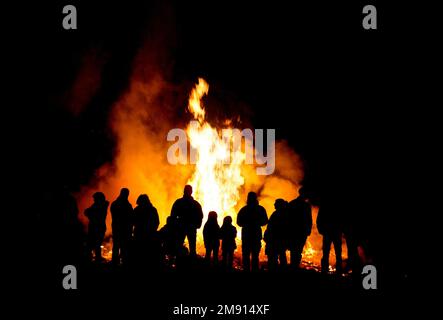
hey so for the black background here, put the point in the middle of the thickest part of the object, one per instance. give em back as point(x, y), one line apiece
point(350, 101)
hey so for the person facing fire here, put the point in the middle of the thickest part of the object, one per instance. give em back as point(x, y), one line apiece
point(146, 222)
point(228, 233)
point(121, 212)
point(169, 239)
point(329, 225)
point(189, 215)
point(211, 237)
point(275, 236)
point(96, 214)
point(299, 224)
point(251, 218)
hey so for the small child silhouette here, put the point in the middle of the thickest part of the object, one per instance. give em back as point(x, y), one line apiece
point(228, 233)
point(211, 237)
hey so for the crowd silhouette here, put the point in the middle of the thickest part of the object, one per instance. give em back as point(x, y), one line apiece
point(137, 240)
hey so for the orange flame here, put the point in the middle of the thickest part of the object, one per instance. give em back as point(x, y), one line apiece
point(217, 177)
point(140, 161)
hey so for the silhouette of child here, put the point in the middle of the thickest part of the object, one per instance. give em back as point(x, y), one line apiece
point(228, 233)
point(211, 237)
point(168, 237)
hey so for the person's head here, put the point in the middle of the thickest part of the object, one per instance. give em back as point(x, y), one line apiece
point(252, 198)
point(212, 216)
point(143, 200)
point(187, 192)
point(279, 204)
point(227, 220)
point(124, 193)
point(99, 197)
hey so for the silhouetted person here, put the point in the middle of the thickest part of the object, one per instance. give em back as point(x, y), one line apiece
point(354, 235)
point(211, 237)
point(62, 231)
point(228, 233)
point(251, 218)
point(170, 239)
point(146, 221)
point(299, 225)
point(189, 215)
point(96, 214)
point(329, 225)
point(275, 235)
point(121, 212)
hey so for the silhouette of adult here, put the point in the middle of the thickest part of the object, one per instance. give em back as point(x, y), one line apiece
point(211, 237)
point(354, 235)
point(251, 218)
point(96, 214)
point(146, 222)
point(329, 225)
point(228, 233)
point(62, 229)
point(275, 235)
point(121, 212)
point(189, 215)
point(299, 225)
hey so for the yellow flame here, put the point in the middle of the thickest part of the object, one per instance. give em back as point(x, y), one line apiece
point(197, 93)
point(217, 176)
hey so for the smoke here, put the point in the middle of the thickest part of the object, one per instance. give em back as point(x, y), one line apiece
point(283, 183)
point(87, 81)
point(140, 120)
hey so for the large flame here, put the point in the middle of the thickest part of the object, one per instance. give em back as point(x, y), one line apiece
point(217, 177)
point(140, 161)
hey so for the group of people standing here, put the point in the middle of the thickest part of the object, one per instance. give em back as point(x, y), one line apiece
point(139, 224)
point(288, 229)
point(134, 231)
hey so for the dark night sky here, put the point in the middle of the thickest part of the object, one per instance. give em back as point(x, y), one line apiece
point(337, 93)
